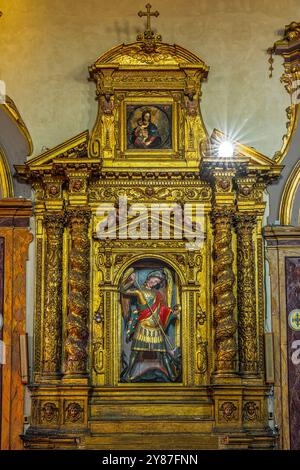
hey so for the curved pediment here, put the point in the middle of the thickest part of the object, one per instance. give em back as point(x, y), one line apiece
point(163, 54)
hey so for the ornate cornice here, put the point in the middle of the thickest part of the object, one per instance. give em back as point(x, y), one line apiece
point(70, 155)
point(245, 160)
point(76, 147)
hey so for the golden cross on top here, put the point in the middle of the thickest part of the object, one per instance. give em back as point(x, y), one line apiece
point(148, 14)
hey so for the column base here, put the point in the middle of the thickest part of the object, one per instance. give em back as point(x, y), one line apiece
point(226, 378)
point(75, 379)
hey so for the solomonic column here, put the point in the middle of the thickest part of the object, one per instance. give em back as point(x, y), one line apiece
point(52, 334)
point(247, 327)
point(223, 291)
point(78, 294)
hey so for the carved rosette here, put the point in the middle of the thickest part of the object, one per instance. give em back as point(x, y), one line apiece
point(224, 299)
point(54, 223)
point(246, 294)
point(78, 303)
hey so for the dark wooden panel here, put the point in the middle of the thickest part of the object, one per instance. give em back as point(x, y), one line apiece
point(1, 312)
point(292, 267)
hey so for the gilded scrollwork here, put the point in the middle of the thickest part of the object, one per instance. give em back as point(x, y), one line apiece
point(201, 344)
point(224, 299)
point(200, 314)
point(78, 280)
point(194, 262)
point(98, 345)
point(150, 193)
point(104, 260)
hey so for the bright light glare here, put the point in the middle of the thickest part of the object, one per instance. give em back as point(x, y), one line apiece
point(226, 149)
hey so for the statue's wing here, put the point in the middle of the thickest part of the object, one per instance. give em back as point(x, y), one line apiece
point(125, 303)
point(177, 294)
point(125, 300)
point(169, 287)
point(126, 275)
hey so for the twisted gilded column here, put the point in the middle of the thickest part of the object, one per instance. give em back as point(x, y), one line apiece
point(248, 346)
point(52, 333)
point(224, 299)
point(78, 295)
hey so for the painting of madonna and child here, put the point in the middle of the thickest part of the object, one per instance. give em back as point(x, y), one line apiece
point(149, 127)
point(151, 313)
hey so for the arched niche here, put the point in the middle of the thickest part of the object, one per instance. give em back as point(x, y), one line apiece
point(15, 145)
point(150, 301)
point(6, 181)
point(113, 260)
point(290, 200)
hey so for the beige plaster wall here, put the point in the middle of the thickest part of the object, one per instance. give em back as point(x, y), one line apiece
point(46, 47)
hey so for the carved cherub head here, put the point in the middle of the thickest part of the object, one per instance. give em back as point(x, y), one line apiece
point(53, 190)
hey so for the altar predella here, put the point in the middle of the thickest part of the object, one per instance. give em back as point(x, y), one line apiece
point(139, 341)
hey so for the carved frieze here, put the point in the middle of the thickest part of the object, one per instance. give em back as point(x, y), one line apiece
point(149, 193)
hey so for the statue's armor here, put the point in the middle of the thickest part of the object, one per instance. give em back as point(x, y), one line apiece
point(149, 336)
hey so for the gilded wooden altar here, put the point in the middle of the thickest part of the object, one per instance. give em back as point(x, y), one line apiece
point(78, 400)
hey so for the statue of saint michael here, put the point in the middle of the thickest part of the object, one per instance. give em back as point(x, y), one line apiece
point(147, 327)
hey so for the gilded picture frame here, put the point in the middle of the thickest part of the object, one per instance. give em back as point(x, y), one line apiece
point(149, 128)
